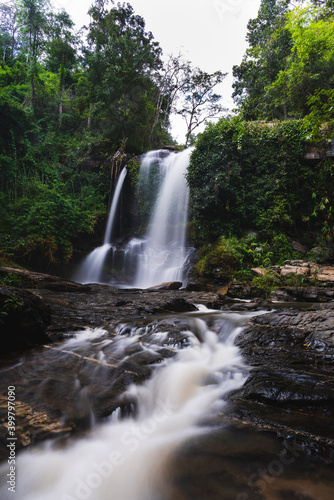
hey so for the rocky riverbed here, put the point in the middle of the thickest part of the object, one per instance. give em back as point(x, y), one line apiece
point(285, 409)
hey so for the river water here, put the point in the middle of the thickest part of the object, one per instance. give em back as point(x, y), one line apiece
point(127, 456)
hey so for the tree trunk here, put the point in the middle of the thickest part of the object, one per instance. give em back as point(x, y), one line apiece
point(89, 120)
point(60, 109)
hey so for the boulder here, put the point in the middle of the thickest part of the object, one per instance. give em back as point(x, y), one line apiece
point(299, 270)
point(222, 291)
point(325, 274)
point(31, 279)
point(259, 271)
point(168, 285)
point(298, 247)
point(198, 286)
point(24, 318)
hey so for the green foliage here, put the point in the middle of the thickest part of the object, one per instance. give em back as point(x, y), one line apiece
point(310, 65)
point(250, 175)
point(282, 250)
point(221, 260)
point(47, 221)
point(320, 255)
point(288, 70)
point(257, 254)
point(11, 279)
point(323, 212)
point(122, 58)
point(264, 285)
point(10, 306)
point(68, 102)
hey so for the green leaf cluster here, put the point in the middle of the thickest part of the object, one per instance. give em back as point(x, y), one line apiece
point(250, 175)
point(69, 100)
point(287, 72)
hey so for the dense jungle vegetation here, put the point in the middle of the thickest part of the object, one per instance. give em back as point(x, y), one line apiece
point(264, 178)
point(75, 105)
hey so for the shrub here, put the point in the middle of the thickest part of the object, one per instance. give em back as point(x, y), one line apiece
point(221, 260)
point(250, 175)
point(264, 285)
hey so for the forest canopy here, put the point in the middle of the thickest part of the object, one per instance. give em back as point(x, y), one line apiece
point(75, 104)
point(72, 105)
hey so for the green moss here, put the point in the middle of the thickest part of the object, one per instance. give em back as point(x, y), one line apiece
point(265, 284)
point(221, 260)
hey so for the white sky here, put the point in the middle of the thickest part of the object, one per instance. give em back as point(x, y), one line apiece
point(209, 33)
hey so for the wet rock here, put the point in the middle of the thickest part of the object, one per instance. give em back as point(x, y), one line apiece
point(244, 306)
point(325, 275)
point(222, 292)
point(198, 286)
point(32, 279)
point(170, 285)
point(37, 425)
point(299, 247)
point(259, 271)
point(290, 387)
point(239, 290)
point(178, 305)
point(289, 270)
point(24, 318)
point(303, 294)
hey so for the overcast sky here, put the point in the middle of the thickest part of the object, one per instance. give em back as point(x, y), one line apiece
point(210, 33)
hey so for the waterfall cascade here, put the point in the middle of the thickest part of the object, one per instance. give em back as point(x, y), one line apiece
point(161, 255)
point(164, 253)
point(91, 270)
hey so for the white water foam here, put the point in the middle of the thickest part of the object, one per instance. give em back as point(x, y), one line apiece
point(164, 255)
point(91, 269)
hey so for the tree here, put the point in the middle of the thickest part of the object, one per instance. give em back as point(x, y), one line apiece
point(309, 69)
point(121, 62)
point(61, 50)
point(270, 17)
point(200, 103)
point(170, 81)
point(8, 30)
point(33, 24)
point(270, 45)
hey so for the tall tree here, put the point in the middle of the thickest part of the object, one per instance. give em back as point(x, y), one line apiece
point(269, 44)
point(171, 79)
point(310, 66)
point(61, 50)
point(8, 30)
point(33, 24)
point(121, 62)
point(199, 102)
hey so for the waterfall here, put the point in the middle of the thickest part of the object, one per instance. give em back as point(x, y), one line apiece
point(165, 254)
point(161, 255)
point(91, 270)
point(112, 214)
point(128, 458)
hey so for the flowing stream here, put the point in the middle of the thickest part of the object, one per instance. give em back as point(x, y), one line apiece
point(127, 456)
